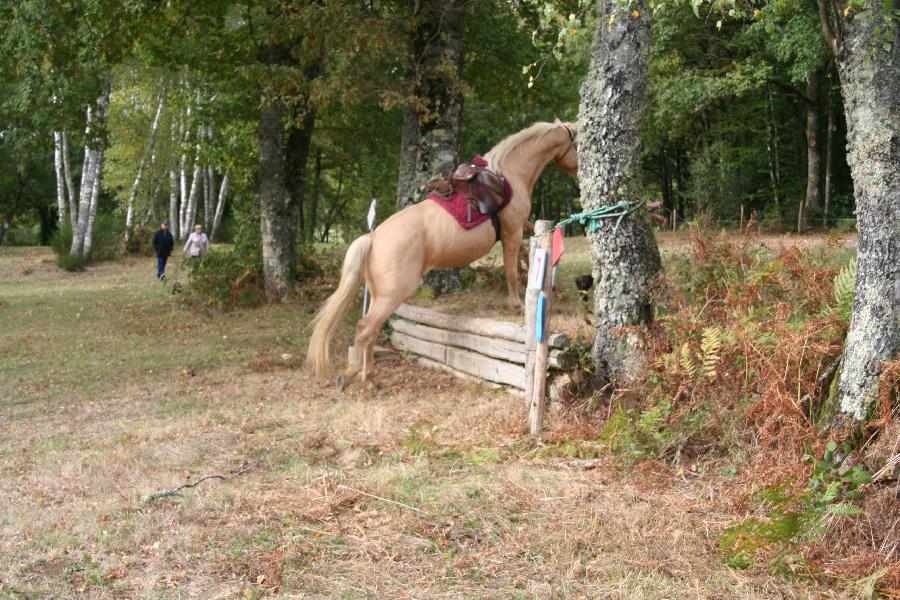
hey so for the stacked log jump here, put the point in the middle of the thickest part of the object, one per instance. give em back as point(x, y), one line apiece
point(471, 347)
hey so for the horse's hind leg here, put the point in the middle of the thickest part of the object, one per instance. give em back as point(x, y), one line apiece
point(511, 243)
point(367, 328)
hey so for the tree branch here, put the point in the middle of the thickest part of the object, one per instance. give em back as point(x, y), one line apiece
point(826, 28)
point(176, 491)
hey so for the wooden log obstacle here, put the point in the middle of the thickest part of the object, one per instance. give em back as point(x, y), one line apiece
point(472, 348)
point(498, 352)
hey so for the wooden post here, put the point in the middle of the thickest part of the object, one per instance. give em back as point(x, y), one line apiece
point(537, 354)
point(742, 218)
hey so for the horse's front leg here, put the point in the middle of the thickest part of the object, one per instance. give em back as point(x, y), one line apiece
point(511, 244)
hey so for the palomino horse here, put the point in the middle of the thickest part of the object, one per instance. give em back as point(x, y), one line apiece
point(393, 258)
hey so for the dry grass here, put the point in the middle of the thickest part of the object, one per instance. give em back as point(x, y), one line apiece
point(421, 487)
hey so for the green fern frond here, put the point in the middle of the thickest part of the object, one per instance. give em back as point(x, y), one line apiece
point(710, 348)
point(686, 360)
point(844, 509)
point(831, 492)
point(844, 284)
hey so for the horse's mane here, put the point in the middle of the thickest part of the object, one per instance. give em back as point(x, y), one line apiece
point(507, 145)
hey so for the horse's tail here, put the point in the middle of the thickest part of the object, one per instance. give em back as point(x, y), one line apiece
point(318, 355)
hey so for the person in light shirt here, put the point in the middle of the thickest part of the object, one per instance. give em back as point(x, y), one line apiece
point(197, 243)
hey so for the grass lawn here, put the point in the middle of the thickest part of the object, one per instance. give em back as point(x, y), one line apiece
point(421, 487)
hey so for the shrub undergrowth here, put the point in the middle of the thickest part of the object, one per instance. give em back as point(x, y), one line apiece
point(740, 368)
point(105, 237)
point(232, 277)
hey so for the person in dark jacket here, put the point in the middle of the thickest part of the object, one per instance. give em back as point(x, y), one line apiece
point(164, 243)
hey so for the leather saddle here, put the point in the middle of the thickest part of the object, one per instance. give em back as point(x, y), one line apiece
point(484, 189)
point(481, 187)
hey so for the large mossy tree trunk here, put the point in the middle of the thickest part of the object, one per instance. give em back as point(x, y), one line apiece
point(869, 70)
point(431, 125)
point(278, 219)
point(625, 255)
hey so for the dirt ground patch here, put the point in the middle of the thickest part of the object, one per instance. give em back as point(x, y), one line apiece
point(418, 487)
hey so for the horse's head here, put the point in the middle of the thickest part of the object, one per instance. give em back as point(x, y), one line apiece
point(567, 161)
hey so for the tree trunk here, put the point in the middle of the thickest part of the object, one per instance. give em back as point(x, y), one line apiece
point(772, 146)
point(190, 212)
point(431, 128)
point(276, 214)
point(60, 179)
point(220, 207)
point(183, 188)
point(22, 176)
point(95, 198)
point(314, 204)
point(870, 83)
point(335, 207)
point(209, 188)
point(625, 255)
point(173, 184)
point(298, 147)
point(408, 192)
point(829, 154)
point(67, 171)
point(84, 193)
point(90, 181)
point(811, 203)
point(173, 203)
point(151, 142)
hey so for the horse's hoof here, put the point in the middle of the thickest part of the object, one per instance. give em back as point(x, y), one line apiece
point(340, 383)
point(515, 306)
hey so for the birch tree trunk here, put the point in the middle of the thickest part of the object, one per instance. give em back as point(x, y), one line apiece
point(208, 190)
point(220, 207)
point(70, 190)
point(430, 142)
point(90, 180)
point(173, 203)
point(60, 179)
point(95, 196)
point(869, 71)
point(173, 189)
point(151, 142)
point(191, 210)
point(625, 255)
point(79, 225)
point(183, 196)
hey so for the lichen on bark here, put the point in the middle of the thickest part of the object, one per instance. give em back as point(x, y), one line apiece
point(870, 85)
point(624, 253)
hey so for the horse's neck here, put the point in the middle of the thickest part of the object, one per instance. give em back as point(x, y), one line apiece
point(528, 162)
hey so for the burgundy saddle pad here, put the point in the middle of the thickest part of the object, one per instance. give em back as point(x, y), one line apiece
point(458, 207)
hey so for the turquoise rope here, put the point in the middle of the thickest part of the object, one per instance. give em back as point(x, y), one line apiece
point(592, 217)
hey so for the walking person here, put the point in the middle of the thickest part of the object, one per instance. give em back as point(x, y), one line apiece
point(163, 243)
point(197, 243)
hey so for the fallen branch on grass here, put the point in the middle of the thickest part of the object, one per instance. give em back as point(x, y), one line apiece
point(388, 500)
point(176, 491)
